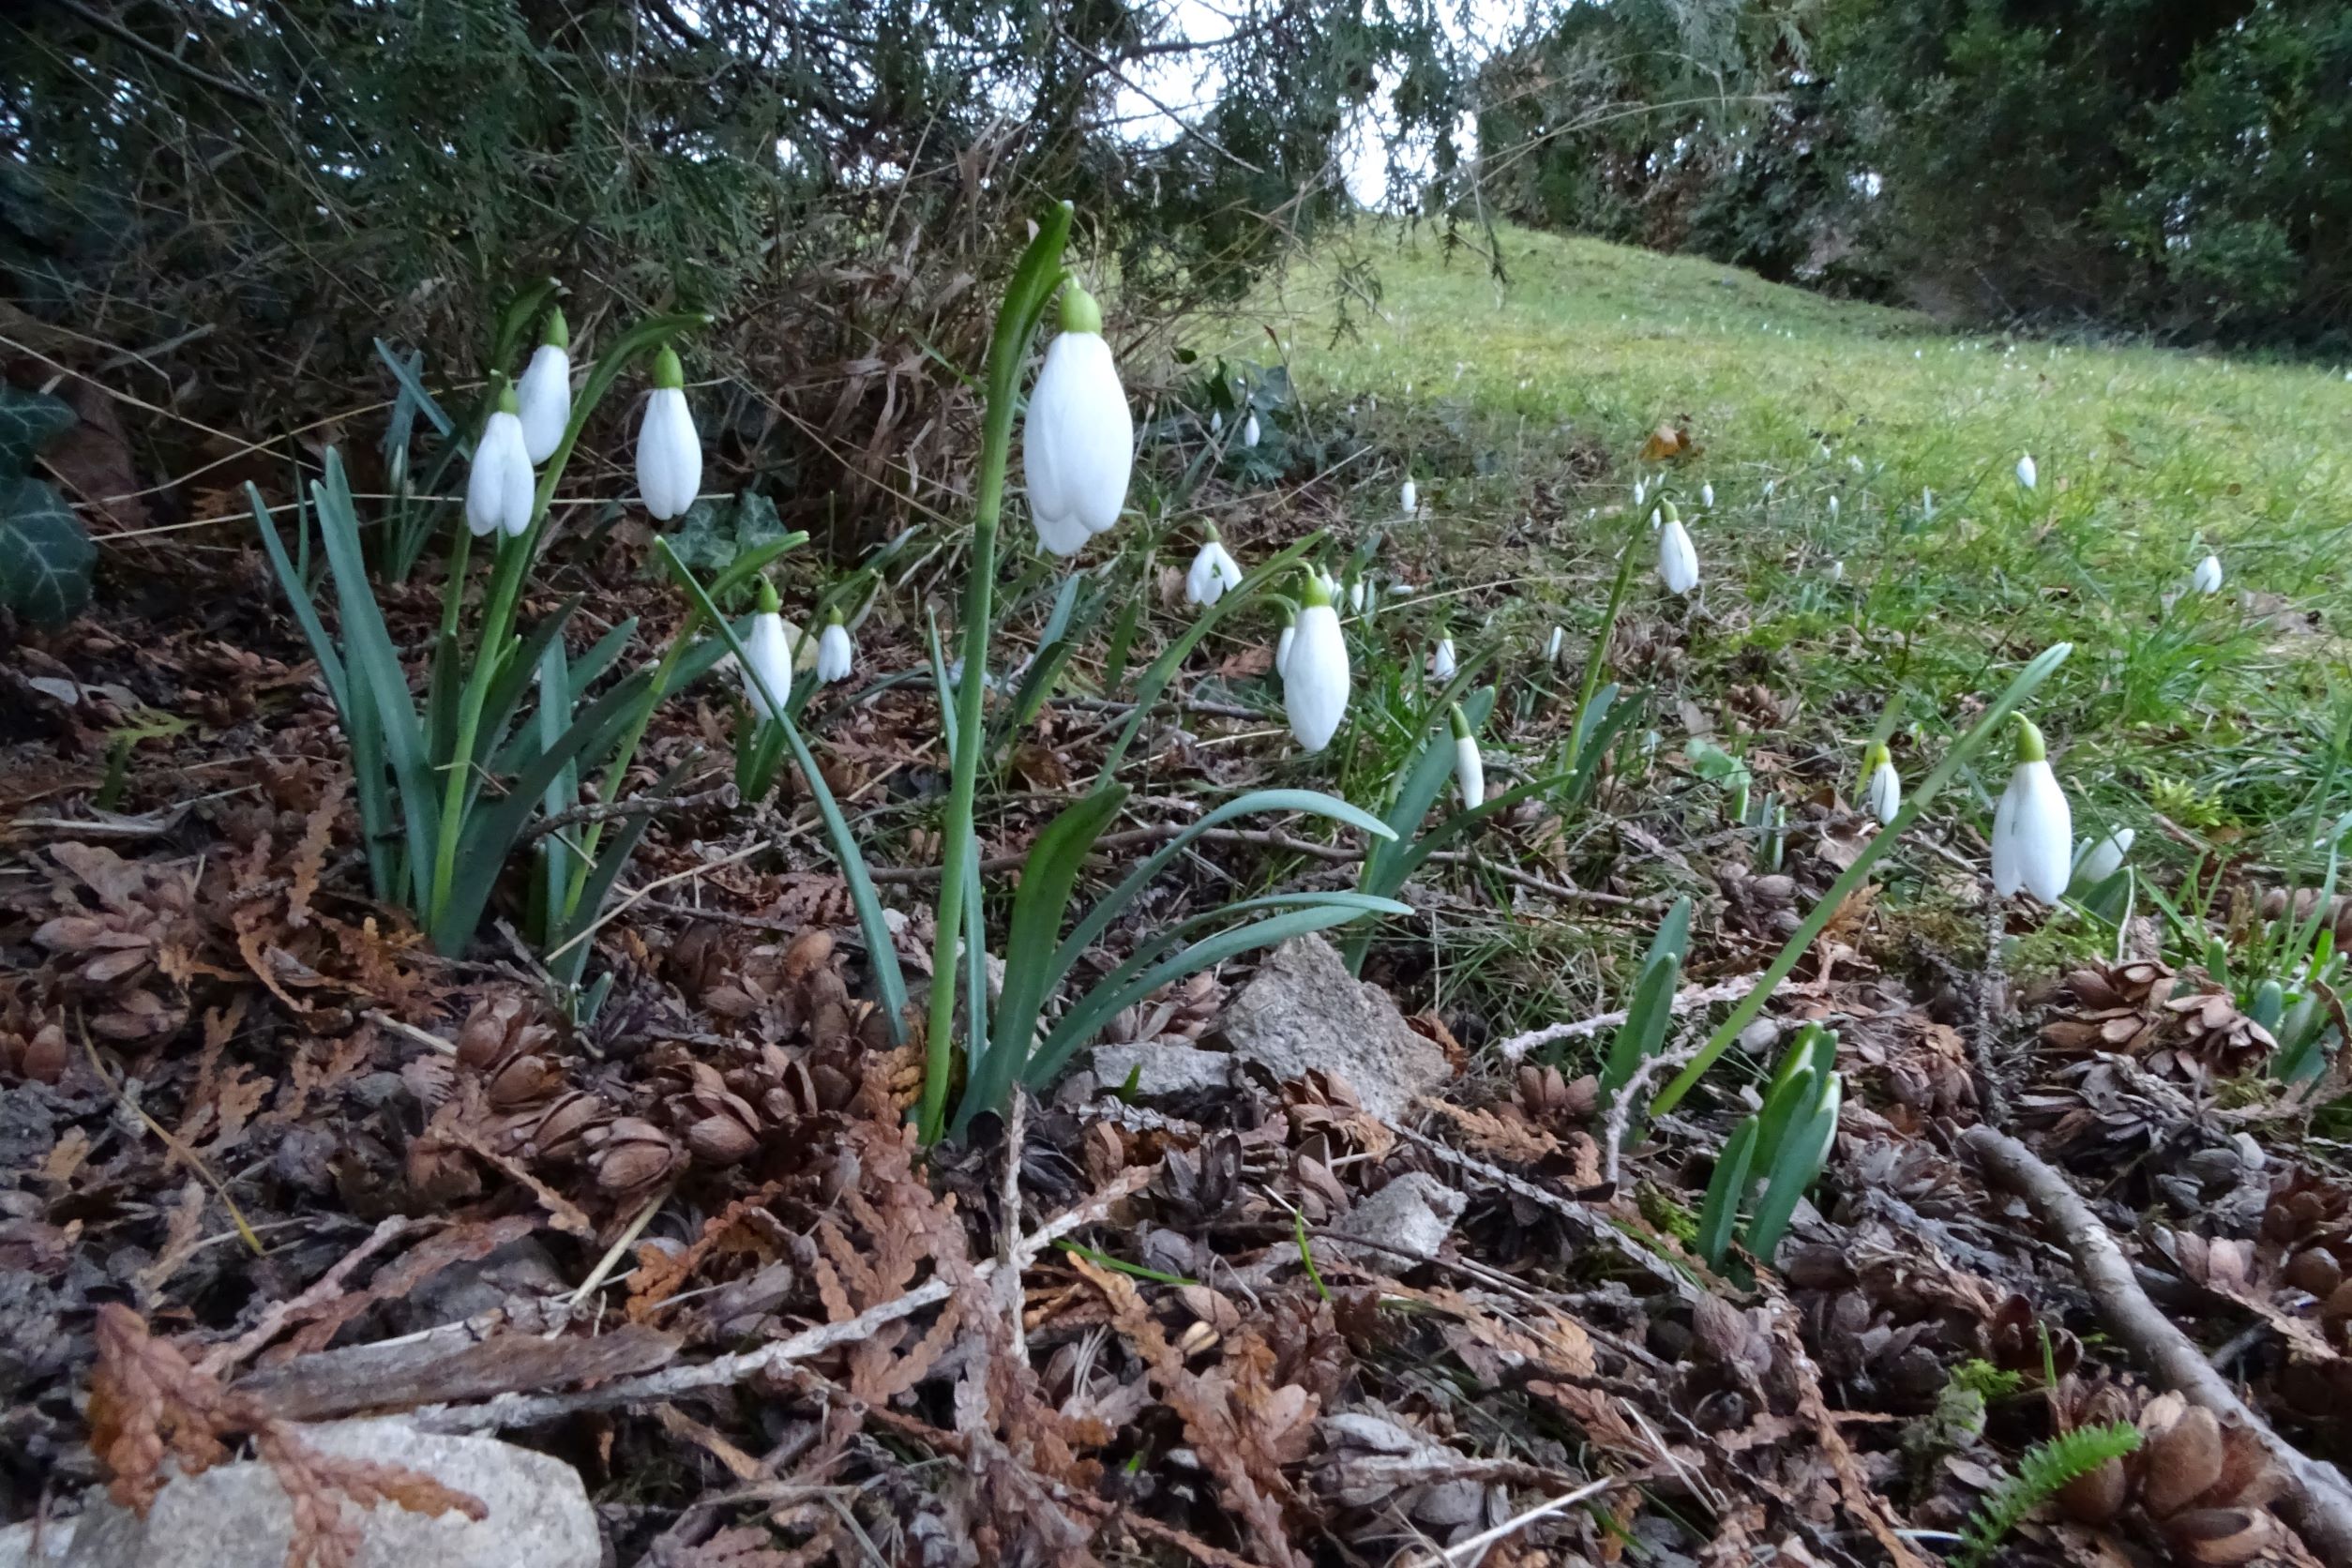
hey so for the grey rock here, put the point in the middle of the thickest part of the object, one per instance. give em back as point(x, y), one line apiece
point(236, 1516)
point(19, 1549)
point(1303, 1012)
point(522, 1270)
point(1414, 1215)
point(1162, 1072)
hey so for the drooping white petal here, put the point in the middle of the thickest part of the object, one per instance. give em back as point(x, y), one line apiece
point(2026, 474)
point(1355, 597)
point(2208, 579)
point(1315, 681)
point(1706, 495)
point(1282, 649)
point(1885, 793)
point(2033, 835)
point(1408, 498)
point(2103, 859)
point(544, 393)
point(1202, 586)
point(769, 650)
point(1222, 567)
point(1469, 771)
point(1551, 649)
point(1678, 560)
point(1442, 660)
point(1833, 508)
point(836, 657)
point(1249, 429)
point(1077, 446)
point(668, 454)
point(498, 490)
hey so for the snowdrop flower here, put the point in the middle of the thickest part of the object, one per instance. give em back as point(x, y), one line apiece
point(835, 658)
point(1854, 462)
point(1927, 504)
point(1214, 570)
point(1557, 644)
point(2026, 474)
point(2033, 828)
point(1290, 637)
point(1770, 486)
point(1315, 675)
point(545, 391)
point(2095, 863)
point(1677, 560)
point(1078, 443)
point(1657, 519)
point(1882, 789)
point(1706, 495)
point(1216, 421)
point(1441, 662)
point(669, 453)
point(1358, 593)
point(1249, 429)
point(772, 651)
point(1470, 769)
point(1641, 491)
point(1409, 499)
point(1834, 571)
point(500, 488)
point(1833, 508)
point(2208, 576)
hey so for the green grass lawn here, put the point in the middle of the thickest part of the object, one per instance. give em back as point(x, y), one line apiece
point(2214, 726)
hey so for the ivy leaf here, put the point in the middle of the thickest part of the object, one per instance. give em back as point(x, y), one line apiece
point(28, 422)
point(45, 557)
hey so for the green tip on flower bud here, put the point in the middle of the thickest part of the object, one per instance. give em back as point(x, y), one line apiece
point(1459, 720)
point(769, 603)
point(1875, 754)
point(2029, 745)
point(1316, 592)
point(1079, 313)
point(558, 332)
point(668, 372)
point(1209, 534)
point(1671, 515)
point(507, 401)
point(833, 616)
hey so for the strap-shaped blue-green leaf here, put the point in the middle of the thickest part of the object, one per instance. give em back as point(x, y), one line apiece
point(490, 830)
point(412, 389)
point(1105, 908)
point(568, 964)
point(1644, 1029)
point(1795, 1165)
point(1085, 1020)
point(1048, 877)
point(556, 695)
point(376, 672)
point(880, 955)
point(1726, 1192)
point(1418, 789)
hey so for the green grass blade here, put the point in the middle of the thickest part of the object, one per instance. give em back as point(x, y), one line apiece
point(1644, 1029)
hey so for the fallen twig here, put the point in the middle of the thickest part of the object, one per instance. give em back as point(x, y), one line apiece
point(2317, 1501)
point(1468, 1551)
point(508, 1410)
point(1689, 997)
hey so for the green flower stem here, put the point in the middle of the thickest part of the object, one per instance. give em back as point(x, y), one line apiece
point(1033, 284)
point(1800, 940)
point(1600, 655)
point(505, 591)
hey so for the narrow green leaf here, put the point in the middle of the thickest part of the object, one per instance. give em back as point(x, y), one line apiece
point(1644, 1028)
point(413, 386)
point(1797, 1164)
point(1725, 1193)
point(1048, 877)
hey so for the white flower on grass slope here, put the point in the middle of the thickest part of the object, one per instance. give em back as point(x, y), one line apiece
point(1552, 646)
point(1315, 677)
point(499, 489)
point(1213, 571)
point(669, 453)
point(1442, 660)
point(836, 656)
point(1706, 495)
point(1470, 769)
point(772, 651)
point(2033, 828)
point(2206, 578)
point(2028, 474)
point(1077, 446)
point(1678, 559)
point(1409, 499)
point(1249, 429)
point(1882, 787)
point(545, 391)
point(2097, 862)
